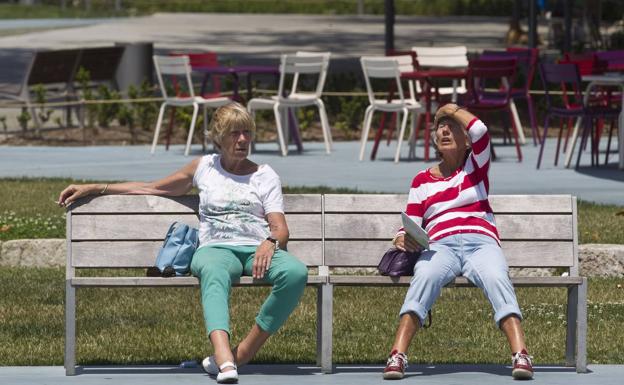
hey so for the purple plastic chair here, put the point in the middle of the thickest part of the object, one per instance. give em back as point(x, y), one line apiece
point(526, 61)
point(614, 59)
point(489, 89)
point(567, 77)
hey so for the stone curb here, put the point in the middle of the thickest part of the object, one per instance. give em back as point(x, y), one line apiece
point(596, 260)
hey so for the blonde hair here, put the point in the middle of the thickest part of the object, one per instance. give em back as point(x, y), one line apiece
point(228, 118)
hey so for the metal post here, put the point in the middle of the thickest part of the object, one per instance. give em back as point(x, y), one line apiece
point(567, 16)
point(532, 24)
point(389, 12)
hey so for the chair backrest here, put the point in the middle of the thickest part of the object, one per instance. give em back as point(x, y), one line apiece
point(526, 61)
point(535, 230)
point(442, 57)
point(303, 63)
point(173, 66)
point(381, 67)
point(202, 59)
point(122, 231)
point(588, 63)
point(567, 77)
point(498, 74)
point(614, 59)
point(51, 67)
point(101, 62)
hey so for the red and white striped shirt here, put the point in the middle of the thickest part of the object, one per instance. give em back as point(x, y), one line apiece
point(458, 203)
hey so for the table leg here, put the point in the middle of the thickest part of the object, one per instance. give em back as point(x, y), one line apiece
point(426, 132)
point(621, 131)
point(577, 125)
point(516, 118)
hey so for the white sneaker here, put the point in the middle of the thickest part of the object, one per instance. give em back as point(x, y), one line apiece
point(229, 377)
point(210, 366)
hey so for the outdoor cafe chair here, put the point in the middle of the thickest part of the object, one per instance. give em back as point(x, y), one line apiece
point(489, 89)
point(298, 65)
point(387, 68)
point(179, 66)
point(444, 57)
point(567, 76)
point(526, 61)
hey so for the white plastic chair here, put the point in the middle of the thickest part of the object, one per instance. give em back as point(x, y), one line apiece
point(445, 57)
point(179, 67)
point(308, 63)
point(387, 68)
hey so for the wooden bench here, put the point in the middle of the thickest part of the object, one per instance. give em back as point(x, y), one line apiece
point(535, 230)
point(117, 231)
point(327, 231)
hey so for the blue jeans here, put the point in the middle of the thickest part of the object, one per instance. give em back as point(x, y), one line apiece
point(475, 256)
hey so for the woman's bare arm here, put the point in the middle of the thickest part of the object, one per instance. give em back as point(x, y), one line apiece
point(178, 183)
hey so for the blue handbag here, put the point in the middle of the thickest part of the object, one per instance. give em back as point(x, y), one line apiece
point(176, 253)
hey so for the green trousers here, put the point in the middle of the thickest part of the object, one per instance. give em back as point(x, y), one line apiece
point(217, 266)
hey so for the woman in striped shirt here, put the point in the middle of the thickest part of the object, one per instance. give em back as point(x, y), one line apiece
point(450, 201)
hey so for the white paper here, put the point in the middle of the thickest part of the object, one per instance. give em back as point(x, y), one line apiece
point(415, 231)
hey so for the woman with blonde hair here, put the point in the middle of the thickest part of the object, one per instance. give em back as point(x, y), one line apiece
point(242, 231)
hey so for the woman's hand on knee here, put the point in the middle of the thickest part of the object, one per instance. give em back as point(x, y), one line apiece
point(262, 259)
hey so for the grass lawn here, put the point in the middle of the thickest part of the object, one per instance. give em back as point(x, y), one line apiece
point(158, 326)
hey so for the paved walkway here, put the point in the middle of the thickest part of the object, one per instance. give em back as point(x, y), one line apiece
point(315, 168)
point(305, 375)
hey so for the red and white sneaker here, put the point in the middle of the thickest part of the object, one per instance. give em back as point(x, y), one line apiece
point(395, 367)
point(522, 366)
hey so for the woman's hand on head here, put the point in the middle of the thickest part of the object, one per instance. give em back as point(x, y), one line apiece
point(405, 242)
point(262, 259)
point(75, 191)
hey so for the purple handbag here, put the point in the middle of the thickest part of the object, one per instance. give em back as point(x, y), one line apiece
point(396, 263)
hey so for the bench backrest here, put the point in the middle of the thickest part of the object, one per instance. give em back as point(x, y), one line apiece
point(101, 62)
point(535, 230)
point(51, 67)
point(121, 231)
point(333, 230)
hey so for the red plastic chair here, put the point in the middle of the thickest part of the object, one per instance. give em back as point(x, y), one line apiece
point(526, 61)
point(489, 89)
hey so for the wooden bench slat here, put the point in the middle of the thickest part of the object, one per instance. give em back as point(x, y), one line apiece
point(154, 227)
point(372, 280)
point(168, 282)
point(383, 226)
point(137, 204)
point(340, 203)
point(143, 253)
point(518, 253)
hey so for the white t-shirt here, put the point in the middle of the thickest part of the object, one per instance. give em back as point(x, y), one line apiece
point(232, 208)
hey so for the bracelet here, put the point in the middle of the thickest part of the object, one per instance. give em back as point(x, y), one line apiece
point(104, 189)
point(458, 108)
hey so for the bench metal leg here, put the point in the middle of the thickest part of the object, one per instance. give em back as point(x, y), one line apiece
point(576, 333)
point(70, 329)
point(571, 326)
point(324, 316)
point(581, 329)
